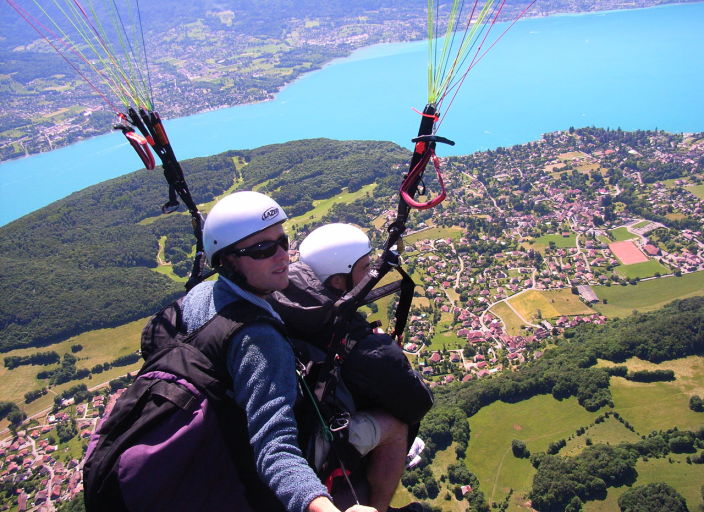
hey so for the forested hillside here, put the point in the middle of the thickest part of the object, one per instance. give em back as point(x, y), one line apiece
point(86, 261)
point(563, 482)
point(569, 369)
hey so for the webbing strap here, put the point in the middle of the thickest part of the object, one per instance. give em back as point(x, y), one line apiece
point(152, 128)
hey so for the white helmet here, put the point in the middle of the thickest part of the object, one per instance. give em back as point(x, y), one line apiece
point(236, 217)
point(334, 249)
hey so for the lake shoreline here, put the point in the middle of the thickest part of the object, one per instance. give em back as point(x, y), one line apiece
point(273, 96)
point(608, 70)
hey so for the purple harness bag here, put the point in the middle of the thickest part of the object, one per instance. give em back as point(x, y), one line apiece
point(175, 441)
point(161, 470)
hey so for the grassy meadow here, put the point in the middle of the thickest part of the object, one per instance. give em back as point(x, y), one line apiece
point(99, 346)
point(542, 420)
point(642, 270)
point(647, 295)
point(537, 422)
point(535, 304)
point(539, 244)
point(321, 207)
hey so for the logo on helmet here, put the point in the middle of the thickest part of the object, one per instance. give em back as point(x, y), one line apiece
point(270, 213)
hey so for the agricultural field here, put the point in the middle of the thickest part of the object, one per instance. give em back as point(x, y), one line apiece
point(542, 420)
point(647, 295)
point(99, 346)
point(534, 305)
point(641, 270)
point(512, 322)
point(537, 422)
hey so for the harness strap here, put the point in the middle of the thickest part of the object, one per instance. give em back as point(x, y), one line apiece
point(152, 128)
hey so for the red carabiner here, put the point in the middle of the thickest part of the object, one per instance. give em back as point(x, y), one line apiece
point(413, 177)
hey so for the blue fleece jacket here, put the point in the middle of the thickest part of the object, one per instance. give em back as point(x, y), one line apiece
point(262, 367)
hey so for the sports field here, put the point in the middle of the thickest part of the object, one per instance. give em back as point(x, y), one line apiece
point(627, 252)
point(621, 234)
point(435, 234)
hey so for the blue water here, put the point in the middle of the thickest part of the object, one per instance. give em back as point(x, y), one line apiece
point(636, 69)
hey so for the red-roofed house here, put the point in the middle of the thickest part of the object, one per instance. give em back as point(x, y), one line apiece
point(651, 250)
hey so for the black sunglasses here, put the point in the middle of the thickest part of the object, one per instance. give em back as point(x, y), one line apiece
point(264, 249)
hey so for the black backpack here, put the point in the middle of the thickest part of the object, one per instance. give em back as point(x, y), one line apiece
point(162, 447)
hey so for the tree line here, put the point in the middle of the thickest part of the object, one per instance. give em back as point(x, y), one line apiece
point(569, 369)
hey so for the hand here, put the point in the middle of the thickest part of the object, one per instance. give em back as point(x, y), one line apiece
point(361, 508)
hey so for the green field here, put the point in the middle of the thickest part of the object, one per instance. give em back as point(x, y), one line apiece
point(445, 336)
point(537, 422)
point(621, 234)
point(435, 234)
point(559, 240)
point(99, 346)
point(685, 478)
point(549, 303)
point(640, 270)
point(641, 224)
point(512, 322)
point(649, 406)
point(697, 190)
point(322, 207)
point(609, 431)
point(542, 420)
point(647, 295)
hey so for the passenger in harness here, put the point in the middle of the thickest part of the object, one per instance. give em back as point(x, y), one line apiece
point(333, 259)
point(245, 242)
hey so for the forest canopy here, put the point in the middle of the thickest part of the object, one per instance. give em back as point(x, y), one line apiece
point(86, 262)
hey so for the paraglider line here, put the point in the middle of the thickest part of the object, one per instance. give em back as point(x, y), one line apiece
point(31, 20)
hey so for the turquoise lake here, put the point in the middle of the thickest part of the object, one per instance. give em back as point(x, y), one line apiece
point(635, 69)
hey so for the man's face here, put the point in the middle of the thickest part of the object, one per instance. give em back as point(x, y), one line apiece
point(268, 273)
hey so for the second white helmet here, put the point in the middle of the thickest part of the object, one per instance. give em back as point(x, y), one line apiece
point(237, 216)
point(334, 249)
